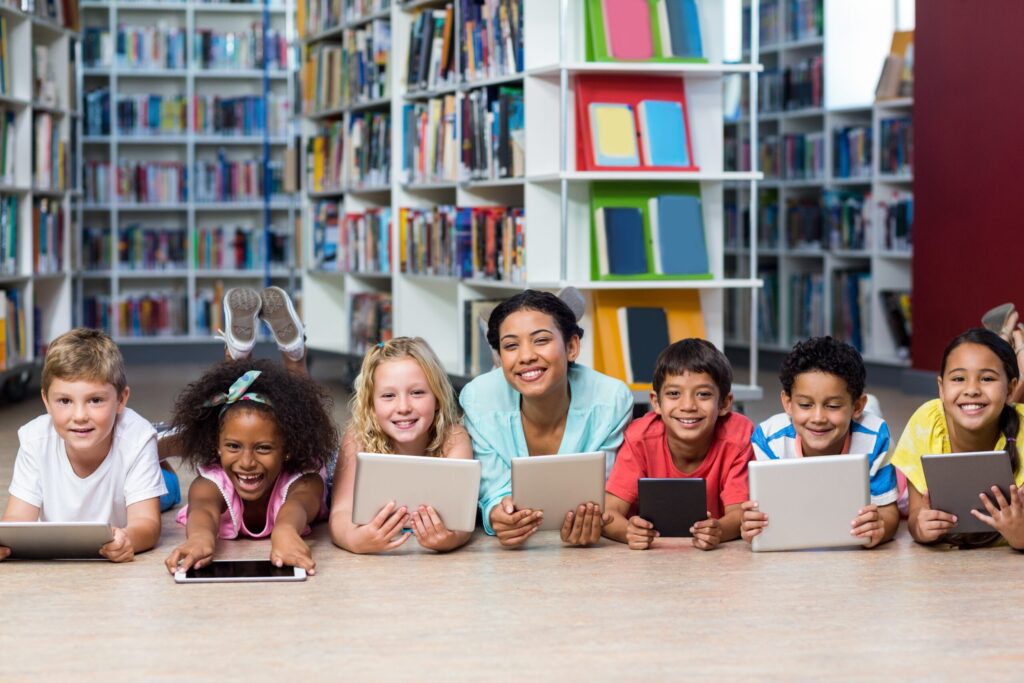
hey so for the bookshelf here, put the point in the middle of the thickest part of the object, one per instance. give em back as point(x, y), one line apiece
point(552, 192)
point(824, 205)
point(185, 146)
point(37, 121)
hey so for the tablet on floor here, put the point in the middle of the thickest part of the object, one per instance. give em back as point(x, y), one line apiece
point(557, 484)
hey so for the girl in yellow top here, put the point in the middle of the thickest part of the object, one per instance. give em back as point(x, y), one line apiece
point(978, 375)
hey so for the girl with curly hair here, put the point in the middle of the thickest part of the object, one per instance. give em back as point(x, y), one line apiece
point(260, 437)
point(403, 404)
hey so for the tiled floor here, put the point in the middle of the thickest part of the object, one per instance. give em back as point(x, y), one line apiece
point(543, 612)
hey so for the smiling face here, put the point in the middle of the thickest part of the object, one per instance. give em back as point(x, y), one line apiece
point(534, 355)
point(84, 413)
point(690, 405)
point(251, 452)
point(821, 409)
point(974, 388)
point(404, 405)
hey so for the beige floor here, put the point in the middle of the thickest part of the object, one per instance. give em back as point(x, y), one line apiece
point(545, 612)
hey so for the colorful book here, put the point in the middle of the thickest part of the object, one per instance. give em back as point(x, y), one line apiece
point(613, 134)
point(663, 133)
point(677, 235)
point(683, 29)
point(644, 333)
point(621, 242)
point(627, 28)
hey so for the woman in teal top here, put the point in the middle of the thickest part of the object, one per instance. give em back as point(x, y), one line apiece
point(539, 402)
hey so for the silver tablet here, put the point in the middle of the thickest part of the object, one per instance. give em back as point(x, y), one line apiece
point(55, 540)
point(810, 502)
point(448, 485)
point(556, 484)
point(955, 480)
point(229, 571)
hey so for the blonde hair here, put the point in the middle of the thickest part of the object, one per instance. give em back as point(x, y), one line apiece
point(84, 354)
point(364, 420)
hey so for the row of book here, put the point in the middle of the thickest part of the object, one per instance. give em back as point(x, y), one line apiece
point(49, 158)
point(369, 320)
point(803, 156)
point(356, 71)
point(7, 153)
point(209, 309)
point(257, 47)
point(493, 134)
point(805, 19)
point(851, 152)
point(737, 304)
point(6, 84)
point(431, 63)
point(806, 305)
point(369, 150)
point(163, 46)
point(8, 234)
point(642, 30)
point(769, 23)
point(317, 16)
point(241, 115)
point(851, 308)
point(142, 314)
point(147, 114)
point(355, 242)
point(480, 242)
point(151, 248)
point(227, 180)
point(240, 247)
point(491, 38)
point(896, 145)
point(431, 149)
point(48, 235)
point(324, 158)
point(149, 47)
point(846, 223)
point(135, 182)
point(737, 222)
point(897, 212)
point(13, 333)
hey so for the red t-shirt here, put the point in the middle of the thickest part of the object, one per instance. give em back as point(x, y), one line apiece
point(644, 453)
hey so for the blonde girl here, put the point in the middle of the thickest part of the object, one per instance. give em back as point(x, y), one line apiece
point(403, 404)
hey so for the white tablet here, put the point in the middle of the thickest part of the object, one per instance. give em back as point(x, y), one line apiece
point(557, 484)
point(450, 486)
point(955, 480)
point(227, 571)
point(55, 540)
point(810, 502)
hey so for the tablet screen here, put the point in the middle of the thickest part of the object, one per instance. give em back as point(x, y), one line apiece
point(240, 569)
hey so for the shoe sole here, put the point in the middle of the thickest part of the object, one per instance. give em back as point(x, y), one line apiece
point(280, 316)
point(242, 311)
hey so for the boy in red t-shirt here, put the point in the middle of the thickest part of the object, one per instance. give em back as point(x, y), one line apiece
point(691, 433)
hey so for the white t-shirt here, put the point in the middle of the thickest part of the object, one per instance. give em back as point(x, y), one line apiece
point(130, 473)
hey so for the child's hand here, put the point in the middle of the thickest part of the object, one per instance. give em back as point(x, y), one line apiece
point(932, 524)
point(120, 548)
point(707, 533)
point(378, 536)
point(1008, 518)
point(195, 552)
point(288, 548)
point(583, 526)
point(640, 533)
point(430, 529)
point(868, 522)
point(753, 520)
point(5, 552)
point(511, 526)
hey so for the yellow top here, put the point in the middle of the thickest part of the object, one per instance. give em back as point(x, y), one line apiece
point(926, 434)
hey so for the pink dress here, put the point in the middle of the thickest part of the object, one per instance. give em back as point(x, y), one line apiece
point(232, 520)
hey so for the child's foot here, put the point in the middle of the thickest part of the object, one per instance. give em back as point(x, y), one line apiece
point(241, 311)
point(279, 314)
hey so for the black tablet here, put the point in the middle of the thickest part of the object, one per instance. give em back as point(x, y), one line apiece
point(220, 571)
point(955, 481)
point(673, 505)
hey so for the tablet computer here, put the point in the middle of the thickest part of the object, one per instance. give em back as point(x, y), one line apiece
point(672, 505)
point(556, 484)
point(226, 571)
point(450, 486)
point(954, 481)
point(810, 502)
point(55, 540)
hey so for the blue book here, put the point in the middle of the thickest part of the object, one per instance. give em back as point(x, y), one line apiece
point(644, 334)
point(621, 243)
point(684, 28)
point(677, 235)
point(663, 133)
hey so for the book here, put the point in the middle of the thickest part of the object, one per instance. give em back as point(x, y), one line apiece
point(677, 235)
point(663, 133)
point(644, 333)
point(627, 27)
point(683, 28)
point(613, 134)
point(622, 243)
point(479, 356)
point(897, 76)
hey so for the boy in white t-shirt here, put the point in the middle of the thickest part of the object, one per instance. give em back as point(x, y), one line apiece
point(90, 458)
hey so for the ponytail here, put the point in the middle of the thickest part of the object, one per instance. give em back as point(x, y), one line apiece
point(1009, 425)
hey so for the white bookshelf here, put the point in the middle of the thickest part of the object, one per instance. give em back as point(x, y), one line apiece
point(855, 41)
point(44, 290)
point(553, 193)
point(281, 211)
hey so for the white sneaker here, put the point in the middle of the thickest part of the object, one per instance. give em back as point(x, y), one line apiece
point(241, 312)
point(279, 314)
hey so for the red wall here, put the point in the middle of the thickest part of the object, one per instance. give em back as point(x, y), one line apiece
point(968, 167)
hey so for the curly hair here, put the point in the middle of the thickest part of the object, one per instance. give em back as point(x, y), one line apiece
point(300, 407)
point(824, 354)
point(534, 300)
point(364, 421)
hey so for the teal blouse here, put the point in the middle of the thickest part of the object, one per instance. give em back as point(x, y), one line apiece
point(600, 407)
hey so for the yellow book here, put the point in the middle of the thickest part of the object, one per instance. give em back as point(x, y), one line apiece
point(613, 135)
